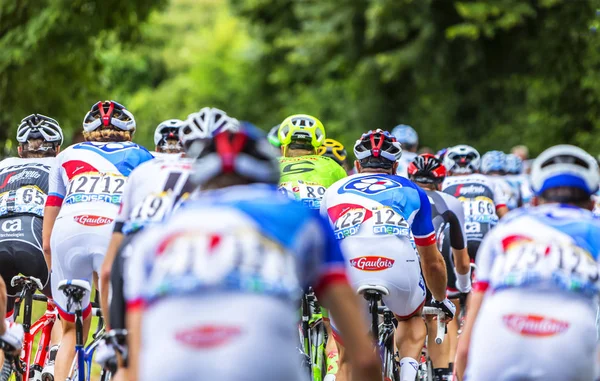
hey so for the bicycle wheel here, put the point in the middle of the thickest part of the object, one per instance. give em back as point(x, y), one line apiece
point(8, 370)
point(106, 375)
point(317, 351)
point(391, 369)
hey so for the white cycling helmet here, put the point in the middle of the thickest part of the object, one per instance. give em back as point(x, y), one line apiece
point(406, 135)
point(169, 129)
point(37, 126)
point(564, 166)
point(206, 123)
point(462, 159)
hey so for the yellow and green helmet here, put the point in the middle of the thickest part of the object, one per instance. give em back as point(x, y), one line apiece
point(301, 128)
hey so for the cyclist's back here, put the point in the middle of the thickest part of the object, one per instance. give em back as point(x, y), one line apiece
point(538, 279)
point(23, 192)
point(305, 175)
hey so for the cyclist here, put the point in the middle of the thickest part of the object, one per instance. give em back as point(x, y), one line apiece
point(233, 251)
point(448, 218)
point(493, 165)
point(538, 280)
point(373, 214)
point(304, 174)
point(517, 179)
point(23, 192)
point(85, 189)
point(409, 139)
point(335, 150)
point(483, 201)
point(165, 138)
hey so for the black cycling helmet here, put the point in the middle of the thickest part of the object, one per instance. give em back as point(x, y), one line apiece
point(427, 169)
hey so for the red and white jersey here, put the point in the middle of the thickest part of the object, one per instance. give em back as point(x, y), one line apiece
point(152, 190)
point(90, 177)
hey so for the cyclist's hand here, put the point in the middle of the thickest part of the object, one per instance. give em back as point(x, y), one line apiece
point(13, 336)
point(446, 306)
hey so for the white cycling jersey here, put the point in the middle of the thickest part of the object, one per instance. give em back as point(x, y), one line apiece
point(86, 183)
point(24, 185)
point(539, 269)
point(152, 190)
point(228, 251)
point(374, 215)
point(505, 188)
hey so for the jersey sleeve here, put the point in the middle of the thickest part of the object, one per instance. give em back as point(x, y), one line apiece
point(486, 255)
point(422, 225)
point(56, 187)
point(332, 268)
point(126, 200)
point(501, 196)
point(458, 236)
point(137, 267)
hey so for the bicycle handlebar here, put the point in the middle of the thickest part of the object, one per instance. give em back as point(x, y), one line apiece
point(441, 324)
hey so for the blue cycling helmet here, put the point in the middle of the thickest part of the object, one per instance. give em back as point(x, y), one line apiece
point(493, 161)
point(564, 166)
point(406, 135)
point(514, 164)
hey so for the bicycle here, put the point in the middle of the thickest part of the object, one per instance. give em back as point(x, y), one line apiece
point(75, 290)
point(382, 333)
point(24, 369)
point(116, 342)
point(425, 372)
point(313, 337)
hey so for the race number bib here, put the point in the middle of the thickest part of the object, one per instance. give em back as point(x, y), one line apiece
point(566, 265)
point(88, 187)
point(388, 222)
point(309, 193)
point(27, 199)
point(349, 223)
point(242, 259)
point(154, 208)
point(480, 209)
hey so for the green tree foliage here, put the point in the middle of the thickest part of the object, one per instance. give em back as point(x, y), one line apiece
point(493, 73)
point(48, 55)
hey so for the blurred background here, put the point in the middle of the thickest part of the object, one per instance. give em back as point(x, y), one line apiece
point(492, 73)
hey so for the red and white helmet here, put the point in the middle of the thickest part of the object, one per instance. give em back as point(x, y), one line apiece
point(426, 168)
point(106, 114)
point(377, 149)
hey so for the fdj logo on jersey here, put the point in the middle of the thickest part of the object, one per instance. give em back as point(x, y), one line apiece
point(370, 185)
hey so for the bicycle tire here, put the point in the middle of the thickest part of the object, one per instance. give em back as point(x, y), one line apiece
point(6, 371)
point(106, 375)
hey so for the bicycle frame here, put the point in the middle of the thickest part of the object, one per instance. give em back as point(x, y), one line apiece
point(82, 363)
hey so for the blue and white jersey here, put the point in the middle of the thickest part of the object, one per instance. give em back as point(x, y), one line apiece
point(234, 239)
point(91, 176)
point(376, 205)
point(550, 247)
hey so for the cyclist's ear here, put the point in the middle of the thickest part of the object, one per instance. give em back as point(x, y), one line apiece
point(394, 168)
point(57, 149)
point(20, 150)
point(357, 165)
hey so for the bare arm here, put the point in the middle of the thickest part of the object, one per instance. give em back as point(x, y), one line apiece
point(434, 270)
point(462, 351)
point(345, 309)
point(109, 258)
point(134, 322)
point(50, 214)
point(461, 260)
point(501, 211)
point(3, 298)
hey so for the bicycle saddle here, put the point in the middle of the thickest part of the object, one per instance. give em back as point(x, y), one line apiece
point(75, 284)
point(21, 280)
point(373, 289)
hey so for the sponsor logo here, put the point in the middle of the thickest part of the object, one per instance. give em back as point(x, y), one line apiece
point(371, 185)
point(11, 226)
point(469, 189)
point(534, 325)
point(372, 263)
point(23, 175)
point(209, 336)
point(90, 220)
